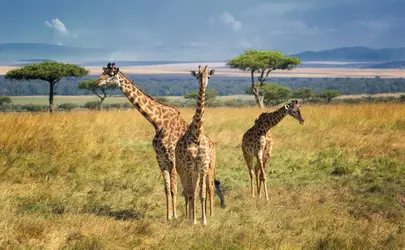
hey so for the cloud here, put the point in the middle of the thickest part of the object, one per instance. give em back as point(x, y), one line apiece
point(59, 26)
point(230, 20)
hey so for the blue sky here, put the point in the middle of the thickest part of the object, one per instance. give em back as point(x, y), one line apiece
point(203, 30)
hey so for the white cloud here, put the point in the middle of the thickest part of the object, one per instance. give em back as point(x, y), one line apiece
point(59, 26)
point(230, 20)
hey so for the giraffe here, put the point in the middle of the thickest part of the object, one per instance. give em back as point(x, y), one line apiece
point(195, 155)
point(257, 142)
point(168, 124)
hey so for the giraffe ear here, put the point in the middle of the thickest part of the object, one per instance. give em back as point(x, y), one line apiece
point(104, 69)
point(212, 71)
point(193, 73)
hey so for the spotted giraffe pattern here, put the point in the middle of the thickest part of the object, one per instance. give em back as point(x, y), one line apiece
point(257, 143)
point(195, 156)
point(168, 124)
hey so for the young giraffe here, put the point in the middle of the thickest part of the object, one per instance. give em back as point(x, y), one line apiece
point(257, 142)
point(166, 120)
point(195, 155)
point(169, 126)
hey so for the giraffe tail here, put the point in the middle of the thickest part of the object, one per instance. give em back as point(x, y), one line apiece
point(218, 191)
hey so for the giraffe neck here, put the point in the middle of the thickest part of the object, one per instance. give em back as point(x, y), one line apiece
point(151, 109)
point(269, 120)
point(198, 119)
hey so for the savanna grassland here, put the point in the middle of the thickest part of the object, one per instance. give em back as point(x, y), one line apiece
point(89, 180)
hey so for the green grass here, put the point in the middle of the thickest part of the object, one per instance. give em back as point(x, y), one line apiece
point(89, 180)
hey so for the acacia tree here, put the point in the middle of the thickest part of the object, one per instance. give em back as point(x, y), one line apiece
point(51, 72)
point(262, 63)
point(99, 91)
point(275, 93)
point(304, 93)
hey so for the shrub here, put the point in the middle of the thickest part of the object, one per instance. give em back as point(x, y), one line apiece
point(91, 105)
point(67, 106)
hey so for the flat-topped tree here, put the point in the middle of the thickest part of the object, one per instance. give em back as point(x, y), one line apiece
point(100, 91)
point(262, 63)
point(51, 72)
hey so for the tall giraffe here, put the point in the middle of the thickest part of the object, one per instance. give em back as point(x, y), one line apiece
point(257, 142)
point(168, 124)
point(195, 155)
point(166, 120)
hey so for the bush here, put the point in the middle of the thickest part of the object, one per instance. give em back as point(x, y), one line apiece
point(91, 105)
point(4, 100)
point(34, 107)
point(67, 106)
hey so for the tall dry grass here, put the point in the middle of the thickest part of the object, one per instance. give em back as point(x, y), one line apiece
point(89, 180)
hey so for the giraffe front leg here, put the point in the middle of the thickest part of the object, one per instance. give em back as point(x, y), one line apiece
point(196, 178)
point(266, 157)
point(203, 195)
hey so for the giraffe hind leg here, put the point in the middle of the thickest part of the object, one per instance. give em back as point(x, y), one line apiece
point(260, 171)
point(257, 175)
point(249, 163)
point(173, 187)
point(210, 180)
point(166, 179)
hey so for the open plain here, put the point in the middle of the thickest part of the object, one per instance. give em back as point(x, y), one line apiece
point(89, 180)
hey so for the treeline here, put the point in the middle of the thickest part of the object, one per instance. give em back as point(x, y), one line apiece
point(179, 85)
point(8, 106)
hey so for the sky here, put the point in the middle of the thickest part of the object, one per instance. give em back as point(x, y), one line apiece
point(203, 30)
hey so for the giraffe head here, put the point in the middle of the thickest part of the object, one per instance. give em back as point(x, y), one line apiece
point(109, 76)
point(203, 74)
point(293, 109)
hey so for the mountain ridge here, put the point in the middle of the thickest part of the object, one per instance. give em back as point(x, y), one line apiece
point(354, 54)
point(36, 52)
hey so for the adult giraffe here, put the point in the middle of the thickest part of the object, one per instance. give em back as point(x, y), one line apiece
point(169, 127)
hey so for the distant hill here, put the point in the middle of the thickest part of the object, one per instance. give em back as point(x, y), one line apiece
point(12, 52)
point(354, 54)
